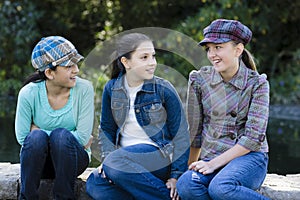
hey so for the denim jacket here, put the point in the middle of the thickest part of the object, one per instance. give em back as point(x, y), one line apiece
point(159, 112)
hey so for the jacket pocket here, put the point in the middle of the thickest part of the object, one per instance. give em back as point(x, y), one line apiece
point(118, 110)
point(154, 113)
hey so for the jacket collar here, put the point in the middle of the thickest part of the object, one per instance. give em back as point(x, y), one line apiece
point(148, 86)
point(239, 80)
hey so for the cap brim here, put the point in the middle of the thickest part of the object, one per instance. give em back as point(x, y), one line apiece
point(74, 60)
point(213, 40)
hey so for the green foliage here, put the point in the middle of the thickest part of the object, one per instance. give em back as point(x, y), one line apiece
point(99, 77)
point(18, 29)
point(79, 21)
point(275, 25)
point(156, 13)
point(285, 86)
point(101, 80)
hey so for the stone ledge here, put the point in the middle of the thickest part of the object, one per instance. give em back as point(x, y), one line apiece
point(10, 183)
point(276, 187)
point(279, 187)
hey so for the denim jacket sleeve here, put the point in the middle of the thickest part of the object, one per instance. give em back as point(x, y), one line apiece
point(108, 128)
point(178, 128)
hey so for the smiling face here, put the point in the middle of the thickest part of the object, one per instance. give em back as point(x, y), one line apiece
point(224, 57)
point(63, 76)
point(141, 65)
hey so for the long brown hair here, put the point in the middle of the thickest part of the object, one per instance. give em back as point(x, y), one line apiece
point(125, 46)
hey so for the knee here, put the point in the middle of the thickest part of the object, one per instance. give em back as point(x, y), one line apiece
point(60, 133)
point(113, 173)
point(36, 139)
point(182, 183)
point(113, 162)
point(116, 165)
point(60, 136)
point(185, 185)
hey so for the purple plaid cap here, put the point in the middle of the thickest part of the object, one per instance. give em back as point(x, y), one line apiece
point(54, 51)
point(224, 30)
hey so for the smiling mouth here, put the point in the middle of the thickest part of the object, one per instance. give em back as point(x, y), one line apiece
point(216, 61)
point(150, 70)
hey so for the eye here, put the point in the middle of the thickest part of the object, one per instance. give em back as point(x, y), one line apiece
point(144, 57)
point(206, 49)
point(68, 67)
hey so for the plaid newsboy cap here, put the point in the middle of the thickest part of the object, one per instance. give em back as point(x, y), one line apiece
point(224, 30)
point(54, 51)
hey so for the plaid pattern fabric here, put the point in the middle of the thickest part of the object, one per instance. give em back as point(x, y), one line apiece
point(53, 51)
point(222, 114)
point(223, 30)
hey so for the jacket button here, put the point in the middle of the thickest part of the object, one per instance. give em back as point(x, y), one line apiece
point(137, 110)
point(215, 113)
point(232, 136)
point(233, 114)
point(261, 138)
point(253, 73)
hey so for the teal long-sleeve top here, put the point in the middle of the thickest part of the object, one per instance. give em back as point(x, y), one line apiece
point(77, 115)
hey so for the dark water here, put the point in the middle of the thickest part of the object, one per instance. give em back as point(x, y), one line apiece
point(9, 148)
point(283, 137)
point(284, 143)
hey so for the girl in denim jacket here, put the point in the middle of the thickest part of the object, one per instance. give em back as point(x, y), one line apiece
point(143, 130)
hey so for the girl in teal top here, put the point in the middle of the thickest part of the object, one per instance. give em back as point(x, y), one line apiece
point(54, 120)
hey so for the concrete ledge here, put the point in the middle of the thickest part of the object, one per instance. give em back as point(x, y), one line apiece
point(279, 187)
point(275, 186)
point(10, 183)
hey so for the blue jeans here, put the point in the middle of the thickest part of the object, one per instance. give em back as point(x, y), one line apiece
point(58, 156)
point(133, 172)
point(237, 180)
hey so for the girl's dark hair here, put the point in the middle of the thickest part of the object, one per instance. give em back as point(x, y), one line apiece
point(125, 46)
point(36, 77)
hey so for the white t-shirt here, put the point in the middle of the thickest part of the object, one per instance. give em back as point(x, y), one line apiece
point(132, 132)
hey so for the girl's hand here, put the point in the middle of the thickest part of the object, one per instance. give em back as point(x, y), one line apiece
point(171, 184)
point(202, 167)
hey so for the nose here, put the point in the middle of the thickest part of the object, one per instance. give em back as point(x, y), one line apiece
point(152, 61)
point(211, 53)
point(75, 69)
